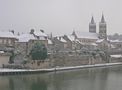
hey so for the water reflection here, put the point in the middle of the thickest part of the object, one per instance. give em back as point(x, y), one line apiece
point(85, 79)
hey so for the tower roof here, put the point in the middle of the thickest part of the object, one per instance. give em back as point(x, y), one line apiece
point(92, 20)
point(102, 19)
point(73, 33)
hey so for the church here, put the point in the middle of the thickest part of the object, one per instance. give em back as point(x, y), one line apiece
point(91, 38)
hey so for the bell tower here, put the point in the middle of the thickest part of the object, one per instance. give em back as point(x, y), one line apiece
point(92, 26)
point(102, 28)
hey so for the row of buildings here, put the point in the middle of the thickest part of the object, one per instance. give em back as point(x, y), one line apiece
point(21, 44)
point(90, 40)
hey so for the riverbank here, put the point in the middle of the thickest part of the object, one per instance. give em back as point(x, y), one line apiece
point(4, 71)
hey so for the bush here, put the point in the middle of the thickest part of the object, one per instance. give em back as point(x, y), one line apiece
point(38, 52)
point(11, 60)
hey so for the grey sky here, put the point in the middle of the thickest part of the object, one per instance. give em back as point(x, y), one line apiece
point(59, 16)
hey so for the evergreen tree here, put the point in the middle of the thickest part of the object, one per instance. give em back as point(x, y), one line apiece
point(38, 52)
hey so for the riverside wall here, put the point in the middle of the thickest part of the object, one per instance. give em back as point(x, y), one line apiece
point(38, 65)
point(75, 60)
point(4, 59)
point(114, 60)
point(65, 61)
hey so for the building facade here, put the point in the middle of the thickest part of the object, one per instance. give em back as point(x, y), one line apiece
point(26, 42)
point(7, 41)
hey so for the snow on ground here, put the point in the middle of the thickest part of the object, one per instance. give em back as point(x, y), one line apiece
point(116, 56)
point(58, 68)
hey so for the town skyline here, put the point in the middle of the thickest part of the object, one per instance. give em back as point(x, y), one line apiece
point(24, 15)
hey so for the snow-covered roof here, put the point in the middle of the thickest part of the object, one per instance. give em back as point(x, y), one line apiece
point(77, 41)
point(99, 40)
point(86, 35)
point(5, 34)
point(26, 37)
point(94, 44)
point(1, 52)
point(61, 39)
point(115, 41)
point(39, 33)
point(71, 37)
point(116, 56)
point(49, 41)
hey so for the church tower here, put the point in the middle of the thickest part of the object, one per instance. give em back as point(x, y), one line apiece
point(92, 26)
point(102, 28)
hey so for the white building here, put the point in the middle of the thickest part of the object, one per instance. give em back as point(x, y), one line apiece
point(26, 41)
point(7, 39)
point(7, 44)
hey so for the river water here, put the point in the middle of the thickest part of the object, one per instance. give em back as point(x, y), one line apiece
point(82, 79)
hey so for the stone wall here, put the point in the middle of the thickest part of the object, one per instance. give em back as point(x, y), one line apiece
point(115, 60)
point(36, 64)
point(70, 61)
point(4, 60)
point(65, 61)
point(76, 60)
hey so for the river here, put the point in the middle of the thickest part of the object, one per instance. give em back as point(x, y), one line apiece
point(82, 79)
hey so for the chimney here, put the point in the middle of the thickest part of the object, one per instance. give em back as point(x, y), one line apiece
point(12, 31)
point(42, 30)
point(32, 31)
point(59, 38)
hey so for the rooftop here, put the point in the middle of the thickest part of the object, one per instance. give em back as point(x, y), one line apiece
point(86, 35)
point(61, 39)
point(50, 42)
point(99, 40)
point(71, 37)
point(40, 34)
point(7, 34)
point(25, 37)
point(115, 41)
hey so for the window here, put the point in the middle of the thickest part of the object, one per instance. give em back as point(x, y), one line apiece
point(9, 41)
point(5, 41)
